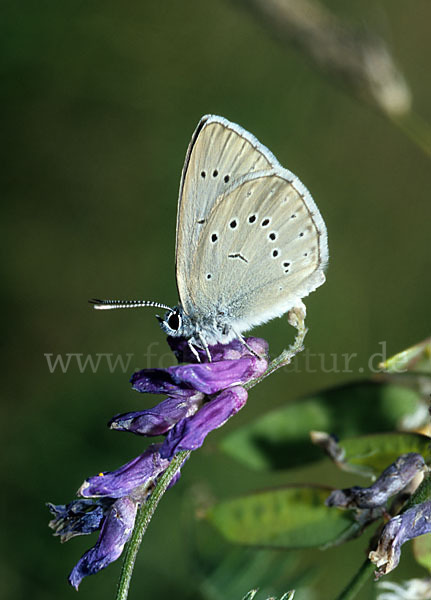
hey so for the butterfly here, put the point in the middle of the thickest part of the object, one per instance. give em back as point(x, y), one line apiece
point(250, 241)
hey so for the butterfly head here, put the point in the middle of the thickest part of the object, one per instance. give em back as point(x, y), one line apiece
point(176, 323)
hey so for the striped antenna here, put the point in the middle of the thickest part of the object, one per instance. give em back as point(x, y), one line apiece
point(111, 304)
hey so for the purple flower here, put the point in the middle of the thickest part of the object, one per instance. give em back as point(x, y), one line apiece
point(189, 434)
point(187, 385)
point(232, 351)
point(207, 378)
point(79, 517)
point(160, 418)
point(201, 397)
point(161, 381)
point(116, 530)
point(391, 482)
point(141, 472)
point(412, 523)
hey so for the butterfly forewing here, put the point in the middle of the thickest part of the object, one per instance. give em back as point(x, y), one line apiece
point(219, 155)
point(260, 251)
point(250, 240)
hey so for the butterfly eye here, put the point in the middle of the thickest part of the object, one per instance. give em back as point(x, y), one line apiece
point(174, 321)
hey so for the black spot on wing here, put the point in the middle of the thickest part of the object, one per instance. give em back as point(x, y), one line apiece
point(238, 255)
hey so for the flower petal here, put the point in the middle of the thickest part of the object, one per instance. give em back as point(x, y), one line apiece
point(160, 418)
point(236, 349)
point(160, 381)
point(412, 523)
point(210, 378)
point(207, 378)
point(79, 517)
point(141, 471)
point(116, 531)
point(190, 433)
point(391, 482)
point(231, 351)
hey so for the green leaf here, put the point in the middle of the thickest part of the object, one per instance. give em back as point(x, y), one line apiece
point(417, 358)
point(280, 439)
point(291, 517)
point(264, 570)
point(376, 452)
point(422, 550)
point(421, 494)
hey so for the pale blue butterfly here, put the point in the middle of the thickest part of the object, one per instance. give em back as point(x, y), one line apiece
point(251, 242)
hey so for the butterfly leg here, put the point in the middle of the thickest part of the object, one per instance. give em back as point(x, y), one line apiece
point(205, 346)
point(244, 343)
point(194, 351)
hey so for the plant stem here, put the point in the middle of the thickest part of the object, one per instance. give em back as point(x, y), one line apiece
point(361, 577)
point(143, 520)
point(285, 357)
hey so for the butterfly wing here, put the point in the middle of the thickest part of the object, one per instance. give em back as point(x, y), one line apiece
point(219, 155)
point(249, 249)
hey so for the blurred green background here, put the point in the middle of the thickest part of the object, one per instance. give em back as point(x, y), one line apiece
point(99, 101)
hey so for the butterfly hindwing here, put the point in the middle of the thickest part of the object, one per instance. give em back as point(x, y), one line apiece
point(262, 249)
point(250, 240)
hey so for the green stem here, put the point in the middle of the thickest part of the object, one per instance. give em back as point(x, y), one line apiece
point(143, 520)
point(361, 577)
point(285, 357)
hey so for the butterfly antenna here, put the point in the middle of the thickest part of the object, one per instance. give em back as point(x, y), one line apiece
point(111, 304)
